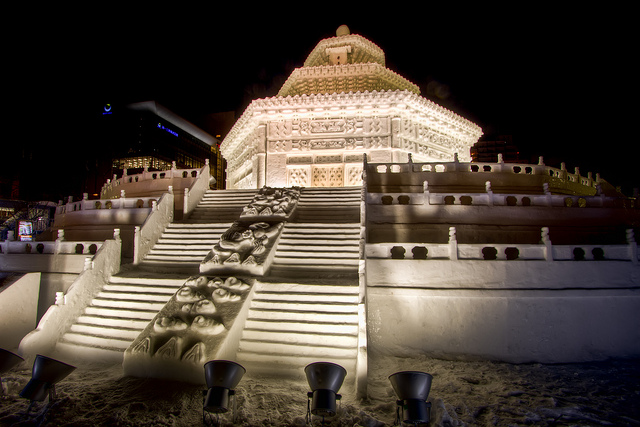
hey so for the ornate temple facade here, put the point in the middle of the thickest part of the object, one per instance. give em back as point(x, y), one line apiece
point(341, 105)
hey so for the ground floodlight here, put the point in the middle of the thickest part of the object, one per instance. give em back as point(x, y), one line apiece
point(45, 374)
point(412, 389)
point(325, 379)
point(7, 361)
point(222, 376)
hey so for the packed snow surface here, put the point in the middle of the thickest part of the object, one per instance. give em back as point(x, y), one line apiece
point(463, 393)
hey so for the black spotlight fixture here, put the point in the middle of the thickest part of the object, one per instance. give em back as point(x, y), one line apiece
point(221, 376)
point(46, 373)
point(325, 380)
point(412, 389)
point(7, 361)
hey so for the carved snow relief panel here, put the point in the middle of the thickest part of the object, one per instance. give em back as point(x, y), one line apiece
point(299, 176)
point(270, 202)
point(353, 175)
point(328, 176)
point(189, 330)
point(246, 247)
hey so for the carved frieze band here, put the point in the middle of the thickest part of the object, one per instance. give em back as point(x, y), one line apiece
point(324, 159)
point(373, 142)
point(292, 128)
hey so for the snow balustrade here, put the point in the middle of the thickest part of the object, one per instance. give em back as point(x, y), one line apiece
point(490, 199)
point(59, 246)
point(485, 167)
point(505, 251)
point(123, 202)
point(112, 185)
point(60, 316)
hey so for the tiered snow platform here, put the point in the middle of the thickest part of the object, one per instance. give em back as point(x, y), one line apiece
point(304, 310)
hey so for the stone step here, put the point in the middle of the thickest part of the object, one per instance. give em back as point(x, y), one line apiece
point(132, 288)
point(328, 201)
point(134, 296)
point(155, 280)
point(301, 338)
point(105, 331)
point(319, 307)
point(189, 227)
point(120, 312)
point(189, 237)
point(298, 327)
point(308, 288)
point(96, 341)
point(128, 303)
point(321, 225)
point(75, 351)
point(277, 350)
point(336, 191)
point(173, 258)
point(325, 251)
point(182, 245)
point(188, 268)
point(301, 316)
point(327, 298)
point(316, 263)
point(113, 322)
point(307, 233)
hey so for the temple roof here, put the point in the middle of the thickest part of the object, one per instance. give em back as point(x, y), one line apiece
point(345, 63)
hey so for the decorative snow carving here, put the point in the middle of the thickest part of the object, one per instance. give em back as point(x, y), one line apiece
point(244, 247)
point(188, 330)
point(276, 202)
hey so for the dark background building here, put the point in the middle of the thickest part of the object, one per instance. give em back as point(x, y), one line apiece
point(148, 135)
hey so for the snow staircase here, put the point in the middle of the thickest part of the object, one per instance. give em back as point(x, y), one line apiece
point(183, 245)
point(290, 325)
point(317, 249)
point(323, 237)
point(329, 205)
point(306, 309)
point(117, 315)
point(131, 299)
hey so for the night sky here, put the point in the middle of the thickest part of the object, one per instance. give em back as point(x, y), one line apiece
point(558, 81)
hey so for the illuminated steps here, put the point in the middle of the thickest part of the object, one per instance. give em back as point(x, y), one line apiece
point(182, 246)
point(221, 206)
point(290, 325)
point(117, 315)
point(329, 205)
point(317, 247)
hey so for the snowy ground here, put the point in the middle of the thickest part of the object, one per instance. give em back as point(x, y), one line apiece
point(462, 394)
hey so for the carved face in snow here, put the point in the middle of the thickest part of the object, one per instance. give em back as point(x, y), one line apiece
point(214, 283)
point(188, 294)
point(206, 325)
point(204, 306)
point(235, 285)
point(164, 324)
point(221, 295)
point(191, 281)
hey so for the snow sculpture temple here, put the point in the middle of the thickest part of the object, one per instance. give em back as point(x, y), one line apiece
point(343, 103)
point(353, 222)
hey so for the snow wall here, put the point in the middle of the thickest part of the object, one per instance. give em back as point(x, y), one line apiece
point(521, 311)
